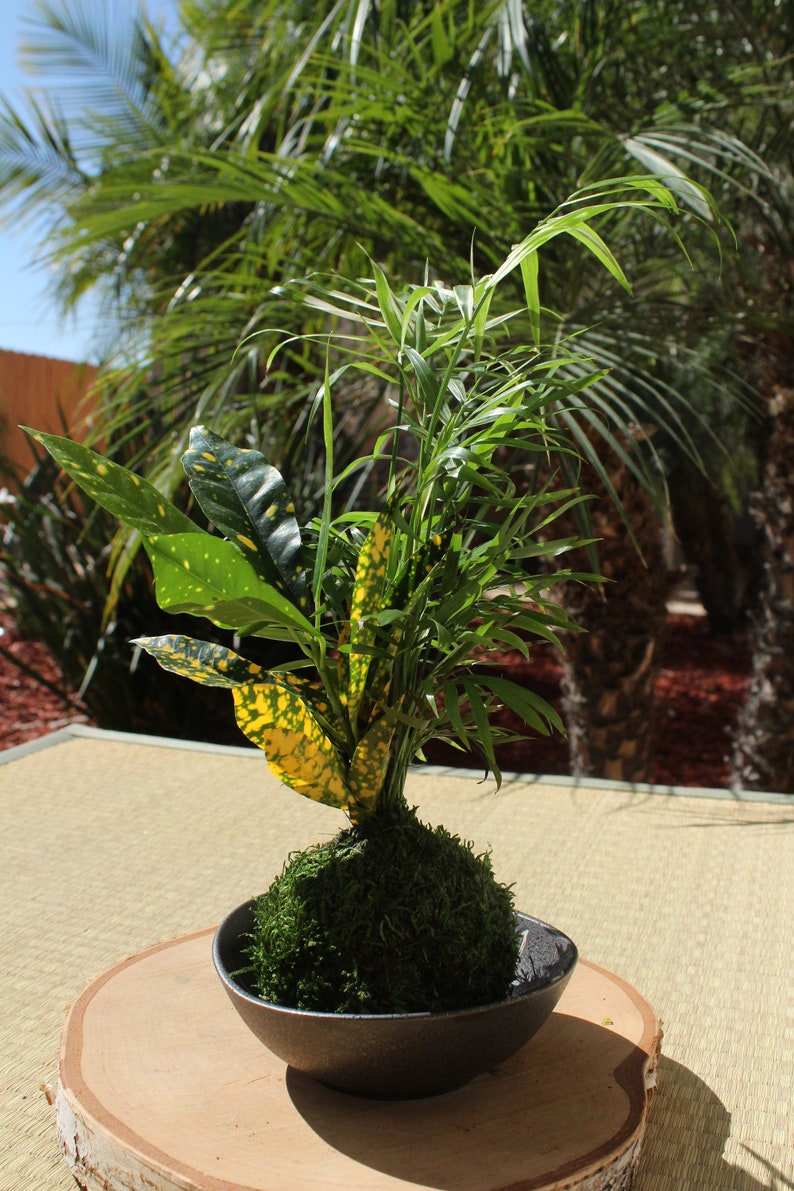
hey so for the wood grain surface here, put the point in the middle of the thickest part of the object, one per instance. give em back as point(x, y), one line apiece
point(162, 1087)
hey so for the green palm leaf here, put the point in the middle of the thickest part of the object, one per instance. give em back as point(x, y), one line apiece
point(531, 708)
point(103, 62)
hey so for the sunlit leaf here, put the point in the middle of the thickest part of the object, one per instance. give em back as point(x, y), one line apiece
point(369, 765)
point(125, 495)
point(366, 602)
point(203, 661)
point(389, 307)
point(530, 271)
point(297, 750)
point(660, 165)
point(208, 576)
point(426, 379)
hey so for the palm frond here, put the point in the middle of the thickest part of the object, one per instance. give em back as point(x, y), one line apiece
point(97, 52)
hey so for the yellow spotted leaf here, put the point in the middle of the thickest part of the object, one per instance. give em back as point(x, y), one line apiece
point(296, 748)
point(208, 576)
point(366, 602)
point(202, 661)
point(124, 494)
point(247, 500)
point(369, 765)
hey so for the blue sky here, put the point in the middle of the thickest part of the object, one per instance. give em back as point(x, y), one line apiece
point(29, 321)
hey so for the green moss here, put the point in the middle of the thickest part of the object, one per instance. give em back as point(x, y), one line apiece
point(385, 918)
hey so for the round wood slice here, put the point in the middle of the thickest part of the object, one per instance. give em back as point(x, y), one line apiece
point(163, 1087)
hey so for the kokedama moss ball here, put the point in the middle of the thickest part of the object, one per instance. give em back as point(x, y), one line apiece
point(385, 918)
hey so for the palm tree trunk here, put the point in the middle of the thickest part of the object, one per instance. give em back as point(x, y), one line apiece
point(763, 757)
point(703, 528)
point(610, 668)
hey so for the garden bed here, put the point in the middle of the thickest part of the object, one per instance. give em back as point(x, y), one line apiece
point(700, 689)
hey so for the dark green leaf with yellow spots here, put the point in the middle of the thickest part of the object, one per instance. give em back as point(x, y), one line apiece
point(297, 750)
point(208, 576)
point(420, 565)
point(315, 696)
point(203, 661)
point(125, 495)
point(247, 500)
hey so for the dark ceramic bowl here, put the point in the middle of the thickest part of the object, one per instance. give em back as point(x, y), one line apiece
point(410, 1055)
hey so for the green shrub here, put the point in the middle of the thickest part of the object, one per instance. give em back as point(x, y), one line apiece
point(54, 559)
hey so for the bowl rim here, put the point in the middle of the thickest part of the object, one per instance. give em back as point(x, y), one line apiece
point(517, 998)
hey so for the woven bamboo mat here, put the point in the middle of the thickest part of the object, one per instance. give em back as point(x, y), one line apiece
point(110, 845)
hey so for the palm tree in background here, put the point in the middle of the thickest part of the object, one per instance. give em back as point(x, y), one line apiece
point(293, 137)
point(764, 740)
point(191, 183)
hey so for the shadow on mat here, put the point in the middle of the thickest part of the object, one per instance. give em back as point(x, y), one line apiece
point(425, 1143)
point(685, 1138)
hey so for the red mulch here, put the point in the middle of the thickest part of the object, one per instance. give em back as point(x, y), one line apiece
point(29, 709)
point(700, 689)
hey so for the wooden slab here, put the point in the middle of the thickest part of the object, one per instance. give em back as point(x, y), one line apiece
point(162, 1087)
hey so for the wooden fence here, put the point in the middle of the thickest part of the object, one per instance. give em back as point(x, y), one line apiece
point(41, 392)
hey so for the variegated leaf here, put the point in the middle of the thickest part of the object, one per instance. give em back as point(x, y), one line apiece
point(203, 661)
point(342, 662)
point(297, 750)
point(316, 699)
point(368, 767)
point(366, 602)
point(379, 677)
point(208, 576)
point(420, 565)
point(248, 501)
point(120, 491)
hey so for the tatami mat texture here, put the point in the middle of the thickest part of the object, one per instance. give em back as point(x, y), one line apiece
point(111, 844)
